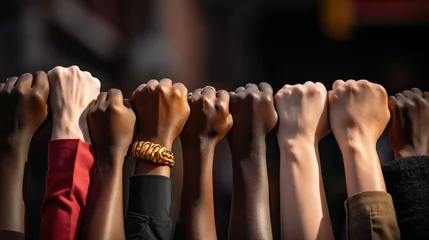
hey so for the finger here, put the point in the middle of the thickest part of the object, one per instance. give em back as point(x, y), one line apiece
point(183, 90)
point(139, 88)
point(223, 95)
point(151, 85)
point(128, 103)
point(400, 98)
point(392, 103)
point(251, 86)
point(417, 91)
point(24, 82)
point(166, 82)
point(426, 95)
point(265, 87)
point(101, 98)
point(2, 85)
point(197, 91)
point(209, 91)
point(115, 97)
point(337, 84)
point(239, 89)
point(349, 81)
point(41, 84)
point(97, 83)
point(320, 85)
point(10, 83)
point(408, 94)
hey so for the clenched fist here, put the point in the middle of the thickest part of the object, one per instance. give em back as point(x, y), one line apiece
point(111, 124)
point(358, 110)
point(210, 119)
point(252, 108)
point(162, 110)
point(24, 107)
point(303, 111)
point(409, 131)
point(72, 90)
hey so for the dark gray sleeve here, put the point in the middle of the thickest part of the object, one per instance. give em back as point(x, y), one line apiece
point(149, 208)
point(407, 181)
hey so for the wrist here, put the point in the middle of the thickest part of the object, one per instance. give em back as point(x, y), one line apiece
point(63, 128)
point(357, 145)
point(410, 151)
point(144, 167)
point(164, 141)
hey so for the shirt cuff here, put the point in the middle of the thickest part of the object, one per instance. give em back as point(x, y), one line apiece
point(150, 195)
point(368, 203)
point(63, 154)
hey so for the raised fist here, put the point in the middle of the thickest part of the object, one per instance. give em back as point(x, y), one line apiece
point(24, 107)
point(162, 110)
point(111, 124)
point(358, 110)
point(409, 129)
point(72, 90)
point(210, 119)
point(303, 111)
point(252, 108)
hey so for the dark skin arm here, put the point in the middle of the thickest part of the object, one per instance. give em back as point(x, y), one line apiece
point(253, 108)
point(162, 121)
point(23, 102)
point(111, 126)
point(207, 126)
point(409, 130)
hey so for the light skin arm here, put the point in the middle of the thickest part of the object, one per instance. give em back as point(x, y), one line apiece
point(362, 167)
point(302, 192)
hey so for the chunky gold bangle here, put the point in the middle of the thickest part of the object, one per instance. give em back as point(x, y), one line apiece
point(153, 153)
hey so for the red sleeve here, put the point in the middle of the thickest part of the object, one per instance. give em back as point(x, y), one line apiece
point(70, 171)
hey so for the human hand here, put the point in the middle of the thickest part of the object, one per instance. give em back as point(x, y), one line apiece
point(303, 111)
point(210, 119)
point(358, 112)
point(111, 123)
point(252, 108)
point(409, 131)
point(23, 102)
point(162, 110)
point(72, 90)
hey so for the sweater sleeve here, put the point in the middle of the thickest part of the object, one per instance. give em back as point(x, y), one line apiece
point(407, 180)
point(70, 170)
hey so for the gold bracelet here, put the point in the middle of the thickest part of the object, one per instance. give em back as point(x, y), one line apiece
point(153, 153)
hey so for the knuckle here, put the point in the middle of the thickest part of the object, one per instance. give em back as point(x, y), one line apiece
point(74, 68)
point(175, 92)
point(57, 71)
point(221, 106)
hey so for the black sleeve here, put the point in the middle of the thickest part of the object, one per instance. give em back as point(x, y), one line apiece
point(149, 208)
point(407, 181)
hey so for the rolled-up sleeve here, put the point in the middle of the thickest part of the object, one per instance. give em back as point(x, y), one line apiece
point(149, 208)
point(371, 215)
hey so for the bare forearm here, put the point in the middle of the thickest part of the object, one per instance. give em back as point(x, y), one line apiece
point(104, 218)
point(12, 209)
point(304, 211)
point(250, 211)
point(197, 205)
point(362, 168)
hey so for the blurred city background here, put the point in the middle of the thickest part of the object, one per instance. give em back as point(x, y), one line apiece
point(224, 44)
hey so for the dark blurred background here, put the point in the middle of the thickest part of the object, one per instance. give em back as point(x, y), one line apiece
point(224, 44)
